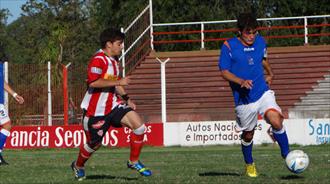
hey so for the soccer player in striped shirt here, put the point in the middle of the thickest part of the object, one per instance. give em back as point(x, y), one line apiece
point(242, 62)
point(102, 107)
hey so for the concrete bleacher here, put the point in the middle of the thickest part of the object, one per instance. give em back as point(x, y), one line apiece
point(316, 103)
point(197, 92)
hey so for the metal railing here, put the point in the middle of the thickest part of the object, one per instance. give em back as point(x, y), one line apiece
point(142, 35)
point(137, 43)
point(221, 28)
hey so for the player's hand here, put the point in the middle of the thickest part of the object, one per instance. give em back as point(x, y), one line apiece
point(124, 81)
point(131, 104)
point(269, 79)
point(19, 99)
point(246, 84)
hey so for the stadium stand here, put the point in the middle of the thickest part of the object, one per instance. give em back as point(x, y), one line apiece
point(316, 104)
point(197, 92)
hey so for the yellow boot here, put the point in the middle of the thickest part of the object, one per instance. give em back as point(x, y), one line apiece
point(251, 170)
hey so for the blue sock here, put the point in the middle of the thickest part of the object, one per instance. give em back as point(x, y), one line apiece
point(282, 139)
point(247, 151)
point(3, 137)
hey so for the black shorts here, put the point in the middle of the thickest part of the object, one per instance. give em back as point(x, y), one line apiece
point(96, 127)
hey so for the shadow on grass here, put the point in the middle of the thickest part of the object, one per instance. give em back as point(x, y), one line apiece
point(103, 176)
point(292, 177)
point(212, 173)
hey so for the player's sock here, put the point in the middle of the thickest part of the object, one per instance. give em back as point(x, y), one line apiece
point(247, 151)
point(282, 139)
point(84, 154)
point(3, 137)
point(136, 141)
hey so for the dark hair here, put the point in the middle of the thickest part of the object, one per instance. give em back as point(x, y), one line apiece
point(246, 21)
point(110, 35)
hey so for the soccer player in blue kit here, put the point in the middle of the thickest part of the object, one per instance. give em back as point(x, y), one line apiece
point(5, 123)
point(242, 63)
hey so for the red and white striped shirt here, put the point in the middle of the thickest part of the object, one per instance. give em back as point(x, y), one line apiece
point(100, 101)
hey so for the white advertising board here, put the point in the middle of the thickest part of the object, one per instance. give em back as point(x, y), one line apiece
point(300, 131)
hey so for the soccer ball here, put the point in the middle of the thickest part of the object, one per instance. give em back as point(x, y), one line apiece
point(297, 161)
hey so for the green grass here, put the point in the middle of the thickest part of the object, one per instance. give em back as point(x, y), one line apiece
point(210, 164)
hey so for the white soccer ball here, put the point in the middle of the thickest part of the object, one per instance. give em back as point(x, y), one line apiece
point(297, 161)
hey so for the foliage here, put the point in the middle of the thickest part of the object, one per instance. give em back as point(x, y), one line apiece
point(3, 35)
point(64, 31)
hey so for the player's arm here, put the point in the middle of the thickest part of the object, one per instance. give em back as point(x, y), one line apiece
point(96, 76)
point(17, 97)
point(270, 74)
point(225, 65)
point(227, 75)
point(120, 90)
point(102, 83)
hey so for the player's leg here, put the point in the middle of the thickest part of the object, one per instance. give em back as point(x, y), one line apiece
point(85, 152)
point(272, 113)
point(247, 144)
point(132, 120)
point(4, 133)
point(5, 126)
point(95, 129)
point(78, 166)
point(247, 119)
point(275, 119)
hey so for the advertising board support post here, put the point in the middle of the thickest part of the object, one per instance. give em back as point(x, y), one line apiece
point(49, 118)
point(163, 86)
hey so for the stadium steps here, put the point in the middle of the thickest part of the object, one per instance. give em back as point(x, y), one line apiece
point(316, 103)
point(197, 92)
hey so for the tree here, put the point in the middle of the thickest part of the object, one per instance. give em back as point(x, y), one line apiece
point(3, 41)
point(81, 21)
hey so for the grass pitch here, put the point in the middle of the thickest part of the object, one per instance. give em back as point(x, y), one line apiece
point(210, 164)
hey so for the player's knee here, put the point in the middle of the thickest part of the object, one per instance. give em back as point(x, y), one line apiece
point(247, 136)
point(5, 132)
point(276, 121)
point(140, 130)
point(277, 125)
point(94, 146)
point(7, 126)
point(89, 148)
point(247, 139)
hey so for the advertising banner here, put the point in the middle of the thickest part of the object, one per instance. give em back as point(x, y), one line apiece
point(73, 136)
point(308, 131)
point(299, 131)
point(206, 133)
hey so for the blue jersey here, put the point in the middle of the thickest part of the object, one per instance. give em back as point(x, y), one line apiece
point(246, 63)
point(2, 100)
